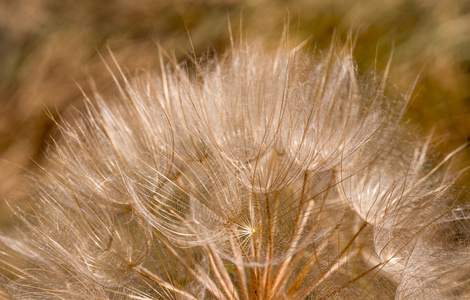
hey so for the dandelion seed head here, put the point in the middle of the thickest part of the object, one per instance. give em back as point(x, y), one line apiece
point(261, 174)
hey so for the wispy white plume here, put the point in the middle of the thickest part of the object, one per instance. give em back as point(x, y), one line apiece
point(262, 174)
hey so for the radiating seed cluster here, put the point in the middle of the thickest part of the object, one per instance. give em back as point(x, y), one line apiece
point(263, 174)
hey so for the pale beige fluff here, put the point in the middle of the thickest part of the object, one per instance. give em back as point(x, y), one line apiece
point(262, 174)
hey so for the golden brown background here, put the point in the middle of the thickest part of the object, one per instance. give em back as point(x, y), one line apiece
point(48, 48)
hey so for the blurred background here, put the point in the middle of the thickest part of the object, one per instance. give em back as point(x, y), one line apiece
point(50, 48)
